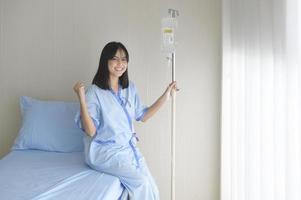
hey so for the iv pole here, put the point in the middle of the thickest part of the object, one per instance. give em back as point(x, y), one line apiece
point(173, 14)
point(173, 133)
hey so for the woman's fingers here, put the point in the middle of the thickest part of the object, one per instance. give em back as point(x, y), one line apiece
point(170, 90)
point(79, 84)
point(79, 87)
point(173, 86)
point(173, 83)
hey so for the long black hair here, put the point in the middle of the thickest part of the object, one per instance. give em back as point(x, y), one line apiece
point(102, 76)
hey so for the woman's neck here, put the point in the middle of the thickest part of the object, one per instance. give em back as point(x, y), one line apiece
point(114, 84)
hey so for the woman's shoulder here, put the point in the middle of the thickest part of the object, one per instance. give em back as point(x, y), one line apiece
point(93, 90)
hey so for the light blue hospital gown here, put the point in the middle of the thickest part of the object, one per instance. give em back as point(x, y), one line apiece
point(113, 148)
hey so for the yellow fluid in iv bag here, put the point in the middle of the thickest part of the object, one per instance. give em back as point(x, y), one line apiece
point(168, 34)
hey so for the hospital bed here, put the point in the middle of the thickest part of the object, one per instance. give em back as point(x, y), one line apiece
point(47, 159)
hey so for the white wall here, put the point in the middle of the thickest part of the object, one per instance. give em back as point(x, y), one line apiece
point(45, 46)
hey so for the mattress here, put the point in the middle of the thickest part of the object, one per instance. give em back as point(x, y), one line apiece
point(35, 174)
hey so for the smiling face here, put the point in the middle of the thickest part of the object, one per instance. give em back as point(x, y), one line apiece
point(112, 69)
point(118, 64)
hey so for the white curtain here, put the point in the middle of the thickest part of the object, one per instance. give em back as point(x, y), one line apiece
point(261, 100)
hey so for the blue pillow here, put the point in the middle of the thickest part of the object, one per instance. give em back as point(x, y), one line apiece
point(49, 126)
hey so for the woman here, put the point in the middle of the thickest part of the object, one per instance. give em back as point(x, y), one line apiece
point(107, 110)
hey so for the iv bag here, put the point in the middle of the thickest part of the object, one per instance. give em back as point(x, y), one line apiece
point(168, 34)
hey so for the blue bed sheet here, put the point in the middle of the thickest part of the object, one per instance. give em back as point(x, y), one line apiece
point(36, 175)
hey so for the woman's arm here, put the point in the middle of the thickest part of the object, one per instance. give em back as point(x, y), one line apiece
point(87, 122)
point(160, 101)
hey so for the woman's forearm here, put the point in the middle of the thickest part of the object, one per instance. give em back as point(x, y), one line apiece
point(87, 122)
point(154, 108)
point(160, 101)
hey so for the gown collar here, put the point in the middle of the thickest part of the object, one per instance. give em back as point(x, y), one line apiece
point(118, 91)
